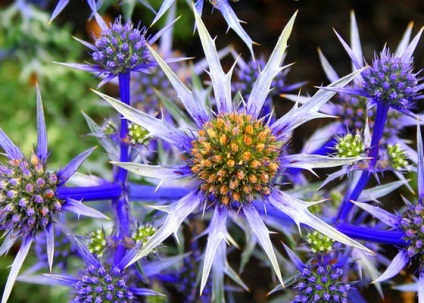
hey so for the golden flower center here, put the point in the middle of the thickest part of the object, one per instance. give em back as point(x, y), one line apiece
point(235, 157)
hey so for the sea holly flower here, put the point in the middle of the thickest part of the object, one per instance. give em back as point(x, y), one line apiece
point(389, 83)
point(240, 168)
point(28, 196)
point(354, 106)
point(390, 80)
point(409, 224)
point(121, 49)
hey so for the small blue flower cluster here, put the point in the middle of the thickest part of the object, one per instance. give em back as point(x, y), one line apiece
point(121, 49)
point(99, 284)
point(321, 284)
point(390, 81)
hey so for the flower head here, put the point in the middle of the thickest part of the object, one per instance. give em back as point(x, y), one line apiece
point(233, 157)
point(390, 80)
point(320, 280)
point(412, 226)
point(101, 284)
point(28, 196)
point(121, 49)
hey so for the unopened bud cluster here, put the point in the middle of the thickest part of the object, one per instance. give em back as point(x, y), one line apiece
point(97, 242)
point(137, 134)
point(143, 233)
point(350, 146)
point(319, 243)
point(397, 157)
point(235, 157)
point(27, 196)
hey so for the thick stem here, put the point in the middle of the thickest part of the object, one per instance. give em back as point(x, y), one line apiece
point(372, 234)
point(380, 121)
point(121, 205)
point(107, 191)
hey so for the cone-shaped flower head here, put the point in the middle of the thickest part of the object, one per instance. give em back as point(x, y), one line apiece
point(121, 49)
point(100, 284)
point(320, 280)
point(29, 196)
point(235, 158)
point(390, 80)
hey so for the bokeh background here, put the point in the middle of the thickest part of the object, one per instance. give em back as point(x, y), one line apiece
point(27, 55)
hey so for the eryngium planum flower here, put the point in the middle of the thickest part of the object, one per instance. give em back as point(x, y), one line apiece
point(232, 157)
point(29, 199)
point(390, 80)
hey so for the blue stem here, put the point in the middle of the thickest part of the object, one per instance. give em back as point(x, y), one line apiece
point(121, 205)
point(107, 191)
point(380, 121)
point(124, 91)
point(148, 192)
point(372, 234)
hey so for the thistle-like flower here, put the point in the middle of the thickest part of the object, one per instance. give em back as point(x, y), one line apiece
point(390, 81)
point(28, 196)
point(232, 156)
point(120, 49)
point(358, 103)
